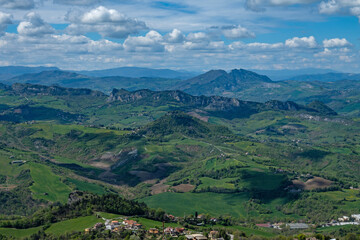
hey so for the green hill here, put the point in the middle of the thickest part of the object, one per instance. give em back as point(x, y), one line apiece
point(181, 123)
point(171, 148)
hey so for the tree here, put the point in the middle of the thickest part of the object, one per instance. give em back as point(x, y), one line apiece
point(351, 236)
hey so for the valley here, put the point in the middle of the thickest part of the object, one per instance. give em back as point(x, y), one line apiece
point(250, 161)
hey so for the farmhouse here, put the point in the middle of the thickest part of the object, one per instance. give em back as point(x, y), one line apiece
point(179, 230)
point(154, 231)
point(115, 222)
point(171, 217)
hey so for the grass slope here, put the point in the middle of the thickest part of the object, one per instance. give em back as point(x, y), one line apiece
point(189, 203)
point(19, 233)
point(77, 224)
point(45, 181)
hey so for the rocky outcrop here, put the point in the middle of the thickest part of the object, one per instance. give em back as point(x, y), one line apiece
point(33, 90)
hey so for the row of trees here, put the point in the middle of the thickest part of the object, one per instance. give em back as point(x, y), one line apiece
point(86, 205)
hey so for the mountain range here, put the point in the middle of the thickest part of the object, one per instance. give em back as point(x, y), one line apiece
point(283, 74)
point(9, 72)
point(340, 91)
point(137, 72)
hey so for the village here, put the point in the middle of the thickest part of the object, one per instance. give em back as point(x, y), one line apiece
point(120, 224)
point(354, 219)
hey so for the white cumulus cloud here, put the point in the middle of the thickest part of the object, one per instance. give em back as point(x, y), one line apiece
point(260, 5)
point(176, 36)
point(17, 4)
point(336, 42)
point(107, 22)
point(237, 32)
point(5, 20)
point(77, 2)
point(151, 42)
point(34, 26)
point(351, 7)
point(304, 42)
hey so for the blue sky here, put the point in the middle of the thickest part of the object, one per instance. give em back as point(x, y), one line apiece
point(191, 35)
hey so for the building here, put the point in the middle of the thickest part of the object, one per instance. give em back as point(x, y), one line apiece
point(169, 230)
point(179, 230)
point(264, 225)
point(109, 227)
point(154, 231)
point(98, 225)
point(356, 217)
point(343, 219)
point(117, 229)
point(213, 234)
point(277, 225)
point(115, 223)
point(18, 161)
point(196, 237)
point(298, 226)
point(131, 224)
point(171, 217)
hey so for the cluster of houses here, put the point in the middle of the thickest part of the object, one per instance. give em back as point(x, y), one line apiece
point(344, 220)
point(125, 224)
point(341, 221)
point(279, 226)
point(117, 226)
point(271, 225)
point(173, 232)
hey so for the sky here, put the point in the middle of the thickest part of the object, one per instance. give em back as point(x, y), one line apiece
point(192, 35)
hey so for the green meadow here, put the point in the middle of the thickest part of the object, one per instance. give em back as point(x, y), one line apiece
point(189, 203)
point(77, 224)
point(19, 233)
point(47, 185)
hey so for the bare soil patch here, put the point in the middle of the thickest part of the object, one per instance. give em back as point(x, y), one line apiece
point(159, 187)
point(184, 188)
point(100, 165)
point(314, 183)
point(198, 116)
point(189, 148)
point(7, 187)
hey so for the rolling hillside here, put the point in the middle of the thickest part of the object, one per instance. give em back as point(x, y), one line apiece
point(145, 144)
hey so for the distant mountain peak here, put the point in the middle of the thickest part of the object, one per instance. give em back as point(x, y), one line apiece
point(218, 82)
point(246, 75)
